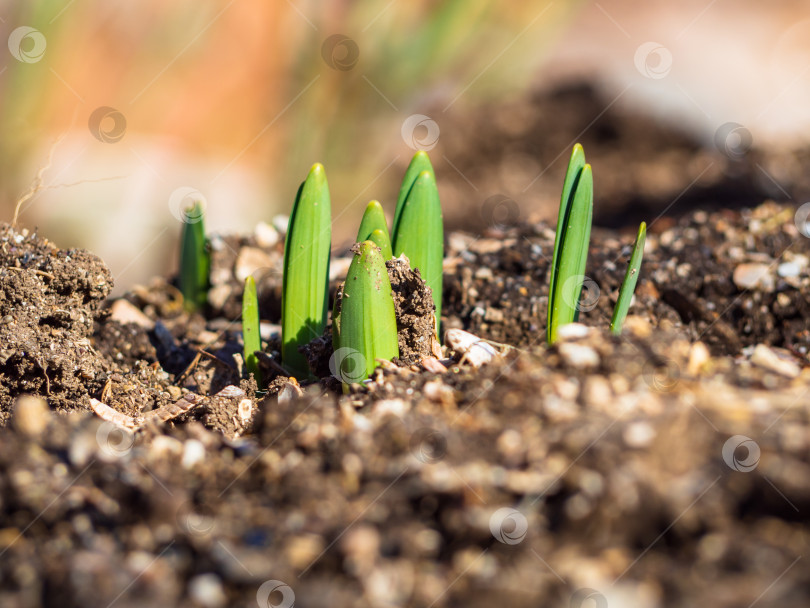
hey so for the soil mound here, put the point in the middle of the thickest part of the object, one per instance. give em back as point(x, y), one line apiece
point(49, 301)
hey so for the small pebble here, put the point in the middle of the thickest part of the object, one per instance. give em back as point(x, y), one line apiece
point(219, 294)
point(31, 415)
point(493, 315)
point(698, 357)
point(484, 274)
point(572, 331)
point(265, 235)
point(249, 260)
point(245, 410)
point(472, 349)
point(788, 269)
point(193, 453)
point(433, 365)
point(280, 223)
point(767, 358)
point(289, 391)
point(753, 276)
point(579, 356)
point(125, 312)
point(206, 590)
point(639, 435)
point(389, 407)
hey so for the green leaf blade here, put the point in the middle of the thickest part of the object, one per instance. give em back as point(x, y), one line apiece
point(251, 338)
point(373, 219)
point(305, 283)
point(570, 244)
point(368, 325)
point(195, 260)
point(419, 163)
point(420, 234)
point(629, 283)
point(383, 241)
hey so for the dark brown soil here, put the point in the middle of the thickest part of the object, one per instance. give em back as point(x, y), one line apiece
point(416, 313)
point(49, 301)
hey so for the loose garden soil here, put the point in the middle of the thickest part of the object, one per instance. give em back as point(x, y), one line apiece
point(146, 471)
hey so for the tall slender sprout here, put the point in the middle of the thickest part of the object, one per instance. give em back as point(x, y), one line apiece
point(251, 338)
point(419, 163)
point(419, 228)
point(305, 284)
point(570, 244)
point(195, 260)
point(367, 324)
point(629, 283)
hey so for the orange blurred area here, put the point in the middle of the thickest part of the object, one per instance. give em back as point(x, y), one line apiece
point(235, 99)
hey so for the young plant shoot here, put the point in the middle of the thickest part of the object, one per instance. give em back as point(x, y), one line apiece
point(570, 244)
point(374, 228)
point(195, 260)
point(629, 283)
point(419, 229)
point(305, 283)
point(367, 322)
point(250, 330)
point(419, 163)
point(383, 241)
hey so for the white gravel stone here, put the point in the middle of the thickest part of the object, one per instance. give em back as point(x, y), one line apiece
point(579, 356)
point(767, 358)
point(250, 260)
point(639, 435)
point(572, 331)
point(31, 415)
point(193, 453)
point(206, 590)
point(753, 276)
point(265, 235)
point(788, 269)
point(124, 312)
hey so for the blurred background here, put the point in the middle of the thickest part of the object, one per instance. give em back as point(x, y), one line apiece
point(126, 109)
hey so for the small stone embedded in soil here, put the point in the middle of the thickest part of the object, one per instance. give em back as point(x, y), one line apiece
point(123, 311)
point(249, 260)
point(572, 331)
point(754, 276)
point(206, 590)
point(579, 356)
point(31, 415)
point(639, 435)
point(265, 235)
point(767, 358)
point(469, 347)
point(788, 270)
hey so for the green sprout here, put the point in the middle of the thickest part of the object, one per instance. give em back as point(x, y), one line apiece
point(629, 283)
point(250, 330)
point(373, 228)
point(365, 329)
point(418, 227)
point(305, 283)
point(195, 260)
point(570, 244)
point(420, 162)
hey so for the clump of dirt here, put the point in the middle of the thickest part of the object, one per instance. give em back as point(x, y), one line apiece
point(319, 352)
point(415, 314)
point(415, 311)
point(49, 301)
